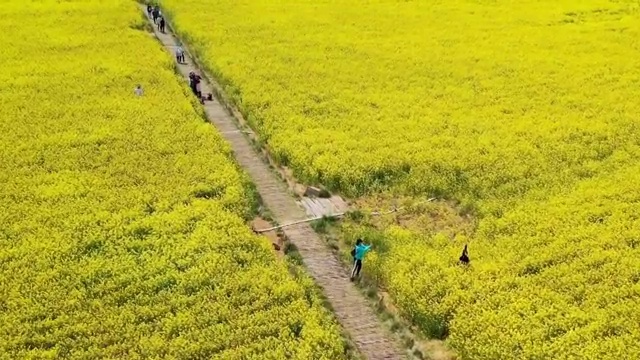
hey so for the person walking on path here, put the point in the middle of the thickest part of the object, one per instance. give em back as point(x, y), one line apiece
point(194, 84)
point(198, 81)
point(180, 55)
point(358, 254)
point(192, 81)
point(155, 14)
point(149, 10)
point(161, 24)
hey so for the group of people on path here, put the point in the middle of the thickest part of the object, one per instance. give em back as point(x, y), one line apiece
point(155, 13)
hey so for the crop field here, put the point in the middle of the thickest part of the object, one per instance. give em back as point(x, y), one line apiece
point(523, 115)
point(122, 218)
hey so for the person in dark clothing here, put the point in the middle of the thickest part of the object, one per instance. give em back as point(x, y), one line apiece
point(358, 254)
point(194, 84)
point(149, 10)
point(198, 92)
point(161, 24)
point(464, 258)
point(192, 81)
point(156, 14)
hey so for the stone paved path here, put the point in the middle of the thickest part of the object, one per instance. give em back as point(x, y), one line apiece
point(349, 305)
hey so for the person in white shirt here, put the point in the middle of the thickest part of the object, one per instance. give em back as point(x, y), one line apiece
point(138, 91)
point(180, 55)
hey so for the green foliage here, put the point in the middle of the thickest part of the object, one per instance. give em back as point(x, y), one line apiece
point(322, 225)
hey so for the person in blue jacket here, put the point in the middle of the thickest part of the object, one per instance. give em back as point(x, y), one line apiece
point(358, 254)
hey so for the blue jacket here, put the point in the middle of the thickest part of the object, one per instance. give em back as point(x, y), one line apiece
point(361, 250)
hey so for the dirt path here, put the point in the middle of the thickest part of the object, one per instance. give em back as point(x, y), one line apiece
point(352, 310)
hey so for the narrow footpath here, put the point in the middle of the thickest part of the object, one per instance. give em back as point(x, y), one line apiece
point(352, 310)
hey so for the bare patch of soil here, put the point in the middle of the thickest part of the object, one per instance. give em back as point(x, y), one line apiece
point(272, 236)
point(420, 215)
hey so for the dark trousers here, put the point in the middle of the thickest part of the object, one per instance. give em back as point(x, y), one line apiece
point(194, 88)
point(357, 266)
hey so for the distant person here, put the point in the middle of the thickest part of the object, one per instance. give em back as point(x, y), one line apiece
point(149, 10)
point(138, 90)
point(194, 84)
point(155, 14)
point(464, 258)
point(358, 254)
point(180, 55)
point(161, 24)
point(198, 86)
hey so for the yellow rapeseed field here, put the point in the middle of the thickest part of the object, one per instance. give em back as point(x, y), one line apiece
point(523, 112)
point(122, 218)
